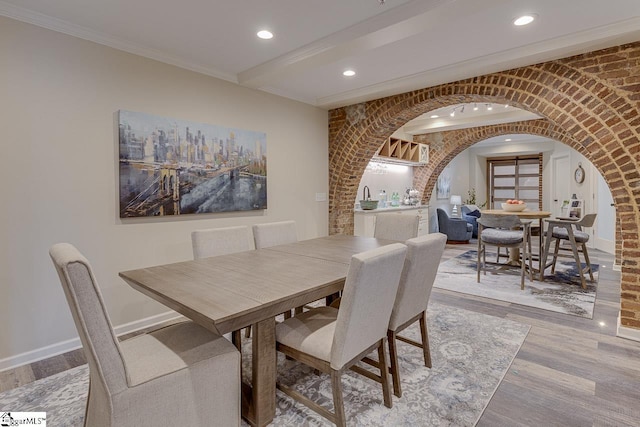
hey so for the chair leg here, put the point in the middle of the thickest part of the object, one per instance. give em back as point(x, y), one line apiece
point(384, 374)
point(555, 256)
point(586, 260)
point(523, 265)
point(478, 263)
point(426, 351)
point(393, 363)
point(338, 403)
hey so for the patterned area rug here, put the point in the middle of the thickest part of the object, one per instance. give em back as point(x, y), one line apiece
point(471, 353)
point(560, 292)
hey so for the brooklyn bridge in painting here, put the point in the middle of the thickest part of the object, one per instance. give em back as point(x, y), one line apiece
point(176, 167)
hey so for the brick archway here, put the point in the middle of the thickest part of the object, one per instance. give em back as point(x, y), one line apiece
point(589, 102)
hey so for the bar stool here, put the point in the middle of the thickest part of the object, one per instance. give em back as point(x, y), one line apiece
point(570, 231)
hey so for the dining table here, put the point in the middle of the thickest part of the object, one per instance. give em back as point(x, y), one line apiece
point(229, 292)
point(514, 253)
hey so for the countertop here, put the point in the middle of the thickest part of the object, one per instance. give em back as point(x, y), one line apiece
point(390, 209)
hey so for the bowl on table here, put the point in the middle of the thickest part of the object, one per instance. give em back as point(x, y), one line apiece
point(513, 207)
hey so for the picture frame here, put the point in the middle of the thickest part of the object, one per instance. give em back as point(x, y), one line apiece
point(171, 167)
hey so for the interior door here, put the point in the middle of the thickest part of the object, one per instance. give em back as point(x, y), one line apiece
point(560, 181)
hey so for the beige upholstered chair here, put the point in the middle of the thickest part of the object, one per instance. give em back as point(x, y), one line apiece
point(393, 226)
point(222, 241)
point(180, 372)
point(416, 282)
point(504, 231)
point(333, 340)
point(274, 233)
point(572, 232)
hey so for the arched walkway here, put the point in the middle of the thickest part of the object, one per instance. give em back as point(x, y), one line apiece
point(589, 102)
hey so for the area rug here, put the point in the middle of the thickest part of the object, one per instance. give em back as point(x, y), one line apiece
point(471, 353)
point(560, 292)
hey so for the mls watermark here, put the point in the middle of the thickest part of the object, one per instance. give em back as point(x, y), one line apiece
point(8, 419)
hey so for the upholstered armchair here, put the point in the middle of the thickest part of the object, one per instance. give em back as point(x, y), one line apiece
point(471, 213)
point(456, 229)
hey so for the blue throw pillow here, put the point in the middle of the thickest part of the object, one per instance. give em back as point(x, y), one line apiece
point(474, 213)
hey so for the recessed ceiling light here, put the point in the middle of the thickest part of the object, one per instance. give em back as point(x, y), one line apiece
point(265, 35)
point(434, 116)
point(348, 73)
point(524, 20)
point(508, 140)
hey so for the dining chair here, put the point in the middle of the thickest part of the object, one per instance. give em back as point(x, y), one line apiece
point(394, 226)
point(332, 340)
point(274, 233)
point(182, 371)
point(222, 241)
point(573, 233)
point(419, 273)
point(504, 231)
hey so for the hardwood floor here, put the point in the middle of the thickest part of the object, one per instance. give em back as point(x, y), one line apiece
point(570, 371)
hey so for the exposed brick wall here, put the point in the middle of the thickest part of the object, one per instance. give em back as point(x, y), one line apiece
point(589, 102)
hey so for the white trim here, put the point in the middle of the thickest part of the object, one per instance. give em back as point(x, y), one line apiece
point(626, 332)
point(74, 343)
point(616, 266)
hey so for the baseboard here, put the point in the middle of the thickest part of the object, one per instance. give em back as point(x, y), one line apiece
point(628, 333)
point(74, 343)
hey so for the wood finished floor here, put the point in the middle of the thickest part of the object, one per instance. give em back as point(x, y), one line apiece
point(570, 371)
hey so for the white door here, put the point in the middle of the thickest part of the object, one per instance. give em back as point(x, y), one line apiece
point(605, 226)
point(560, 181)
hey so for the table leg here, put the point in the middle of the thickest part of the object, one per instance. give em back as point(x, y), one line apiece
point(259, 399)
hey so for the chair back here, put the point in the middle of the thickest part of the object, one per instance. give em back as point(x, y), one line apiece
point(221, 241)
point(92, 321)
point(393, 226)
point(587, 221)
point(418, 275)
point(499, 221)
point(274, 233)
point(367, 299)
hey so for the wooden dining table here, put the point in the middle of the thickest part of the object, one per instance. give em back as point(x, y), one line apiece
point(229, 292)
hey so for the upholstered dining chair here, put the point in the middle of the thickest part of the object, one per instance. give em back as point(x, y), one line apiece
point(572, 232)
point(182, 371)
point(504, 231)
point(332, 340)
point(274, 233)
point(222, 241)
point(394, 226)
point(414, 290)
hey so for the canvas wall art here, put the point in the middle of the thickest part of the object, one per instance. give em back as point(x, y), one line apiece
point(176, 167)
point(443, 186)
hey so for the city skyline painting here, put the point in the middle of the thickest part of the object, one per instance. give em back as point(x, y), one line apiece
point(175, 167)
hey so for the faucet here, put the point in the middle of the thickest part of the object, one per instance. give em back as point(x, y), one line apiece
point(368, 193)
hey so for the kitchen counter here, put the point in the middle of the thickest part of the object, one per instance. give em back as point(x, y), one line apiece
point(364, 221)
point(391, 209)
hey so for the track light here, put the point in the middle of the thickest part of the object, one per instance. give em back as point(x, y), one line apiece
point(475, 107)
point(489, 107)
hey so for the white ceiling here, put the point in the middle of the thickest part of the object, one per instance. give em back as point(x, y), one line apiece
point(399, 46)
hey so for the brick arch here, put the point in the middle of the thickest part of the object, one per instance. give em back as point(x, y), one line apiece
point(591, 100)
point(454, 142)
